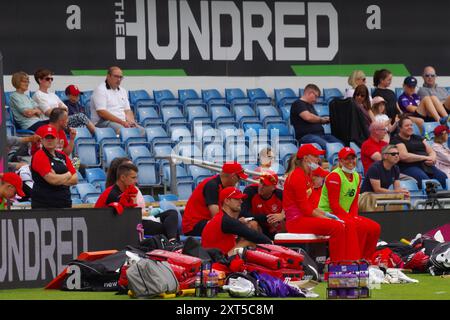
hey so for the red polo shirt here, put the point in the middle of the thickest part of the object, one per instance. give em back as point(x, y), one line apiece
point(368, 148)
point(214, 237)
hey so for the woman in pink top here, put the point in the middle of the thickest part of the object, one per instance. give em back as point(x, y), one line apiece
point(441, 148)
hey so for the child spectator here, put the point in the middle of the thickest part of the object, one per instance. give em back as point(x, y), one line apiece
point(77, 117)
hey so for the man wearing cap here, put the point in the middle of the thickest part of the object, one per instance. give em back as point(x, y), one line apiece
point(53, 173)
point(306, 121)
point(301, 215)
point(382, 174)
point(264, 204)
point(204, 201)
point(411, 104)
point(224, 231)
point(109, 103)
point(10, 185)
point(440, 146)
point(77, 116)
point(340, 197)
point(431, 89)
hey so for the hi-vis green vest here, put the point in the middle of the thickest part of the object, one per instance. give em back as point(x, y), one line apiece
point(347, 194)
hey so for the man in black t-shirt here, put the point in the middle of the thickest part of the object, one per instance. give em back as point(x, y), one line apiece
point(306, 121)
point(382, 174)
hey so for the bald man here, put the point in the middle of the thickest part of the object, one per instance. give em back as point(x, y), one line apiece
point(439, 95)
point(371, 148)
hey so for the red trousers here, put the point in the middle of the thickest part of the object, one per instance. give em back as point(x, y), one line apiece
point(362, 235)
point(327, 227)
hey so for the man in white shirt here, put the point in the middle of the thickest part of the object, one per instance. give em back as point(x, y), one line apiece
point(109, 103)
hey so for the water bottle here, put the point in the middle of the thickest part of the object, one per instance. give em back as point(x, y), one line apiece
point(210, 289)
point(198, 285)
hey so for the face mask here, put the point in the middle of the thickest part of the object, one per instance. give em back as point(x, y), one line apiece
point(346, 170)
point(313, 166)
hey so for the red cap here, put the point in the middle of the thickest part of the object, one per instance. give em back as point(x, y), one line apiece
point(309, 149)
point(345, 152)
point(73, 90)
point(234, 167)
point(231, 193)
point(440, 129)
point(15, 180)
point(47, 130)
point(320, 172)
point(269, 178)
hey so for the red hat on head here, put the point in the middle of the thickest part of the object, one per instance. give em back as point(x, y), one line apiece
point(309, 149)
point(234, 167)
point(47, 130)
point(15, 180)
point(231, 193)
point(345, 152)
point(73, 90)
point(440, 129)
point(269, 178)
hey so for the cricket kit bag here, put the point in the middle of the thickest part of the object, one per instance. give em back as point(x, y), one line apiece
point(184, 267)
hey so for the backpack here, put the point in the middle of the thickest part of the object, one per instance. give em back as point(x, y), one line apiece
point(98, 275)
point(440, 259)
point(148, 278)
point(158, 241)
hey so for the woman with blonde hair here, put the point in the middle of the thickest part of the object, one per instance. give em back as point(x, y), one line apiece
point(356, 78)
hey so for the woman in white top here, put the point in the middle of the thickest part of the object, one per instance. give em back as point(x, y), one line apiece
point(46, 100)
point(441, 148)
point(379, 112)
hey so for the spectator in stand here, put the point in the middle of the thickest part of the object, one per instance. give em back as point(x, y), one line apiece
point(59, 120)
point(204, 201)
point(301, 215)
point(411, 104)
point(306, 122)
point(417, 158)
point(361, 99)
point(371, 148)
point(52, 172)
point(121, 175)
point(109, 103)
point(17, 150)
point(438, 95)
point(440, 146)
point(382, 80)
point(356, 78)
point(340, 197)
point(46, 100)
point(10, 185)
point(26, 112)
point(266, 159)
point(382, 174)
point(264, 204)
point(225, 227)
point(379, 112)
point(77, 118)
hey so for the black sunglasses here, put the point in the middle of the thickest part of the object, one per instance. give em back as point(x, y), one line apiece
point(393, 153)
point(48, 78)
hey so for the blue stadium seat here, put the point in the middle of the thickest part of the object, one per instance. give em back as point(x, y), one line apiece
point(282, 130)
point(95, 176)
point(182, 174)
point(92, 200)
point(148, 175)
point(220, 112)
point(284, 97)
point(7, 95)
point(244, 112)
point(332, 150)
point(85, 99)
point(189, 150)
point(139, 153)
point(238, 152)
point(165, 98)
point(148, 198)
point(322, 110)
point(168, 197)
point(286, 150)
point(86, 191)
point(81, 179)
point(258, 96)
point(86, 148)
point(146, 115)
point(198, 173)
point(61, 94)
point(106, 136)
point(265, 112)
point(190, 97)
point(156, 132)
point(180, 133)
point(398, 92)
point(236, 96)
point(213, 97)
point(416, 129)
point(110, 153)
point(214, 152)
point(285, 112)
point(129, 136)
point(195, 112)
point(327, 128)
point(137, 95)
point(331, 93)
point(184, 189)
point(172, 113)
point(76, 201)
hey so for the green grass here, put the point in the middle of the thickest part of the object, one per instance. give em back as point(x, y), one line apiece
point(428, 288)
